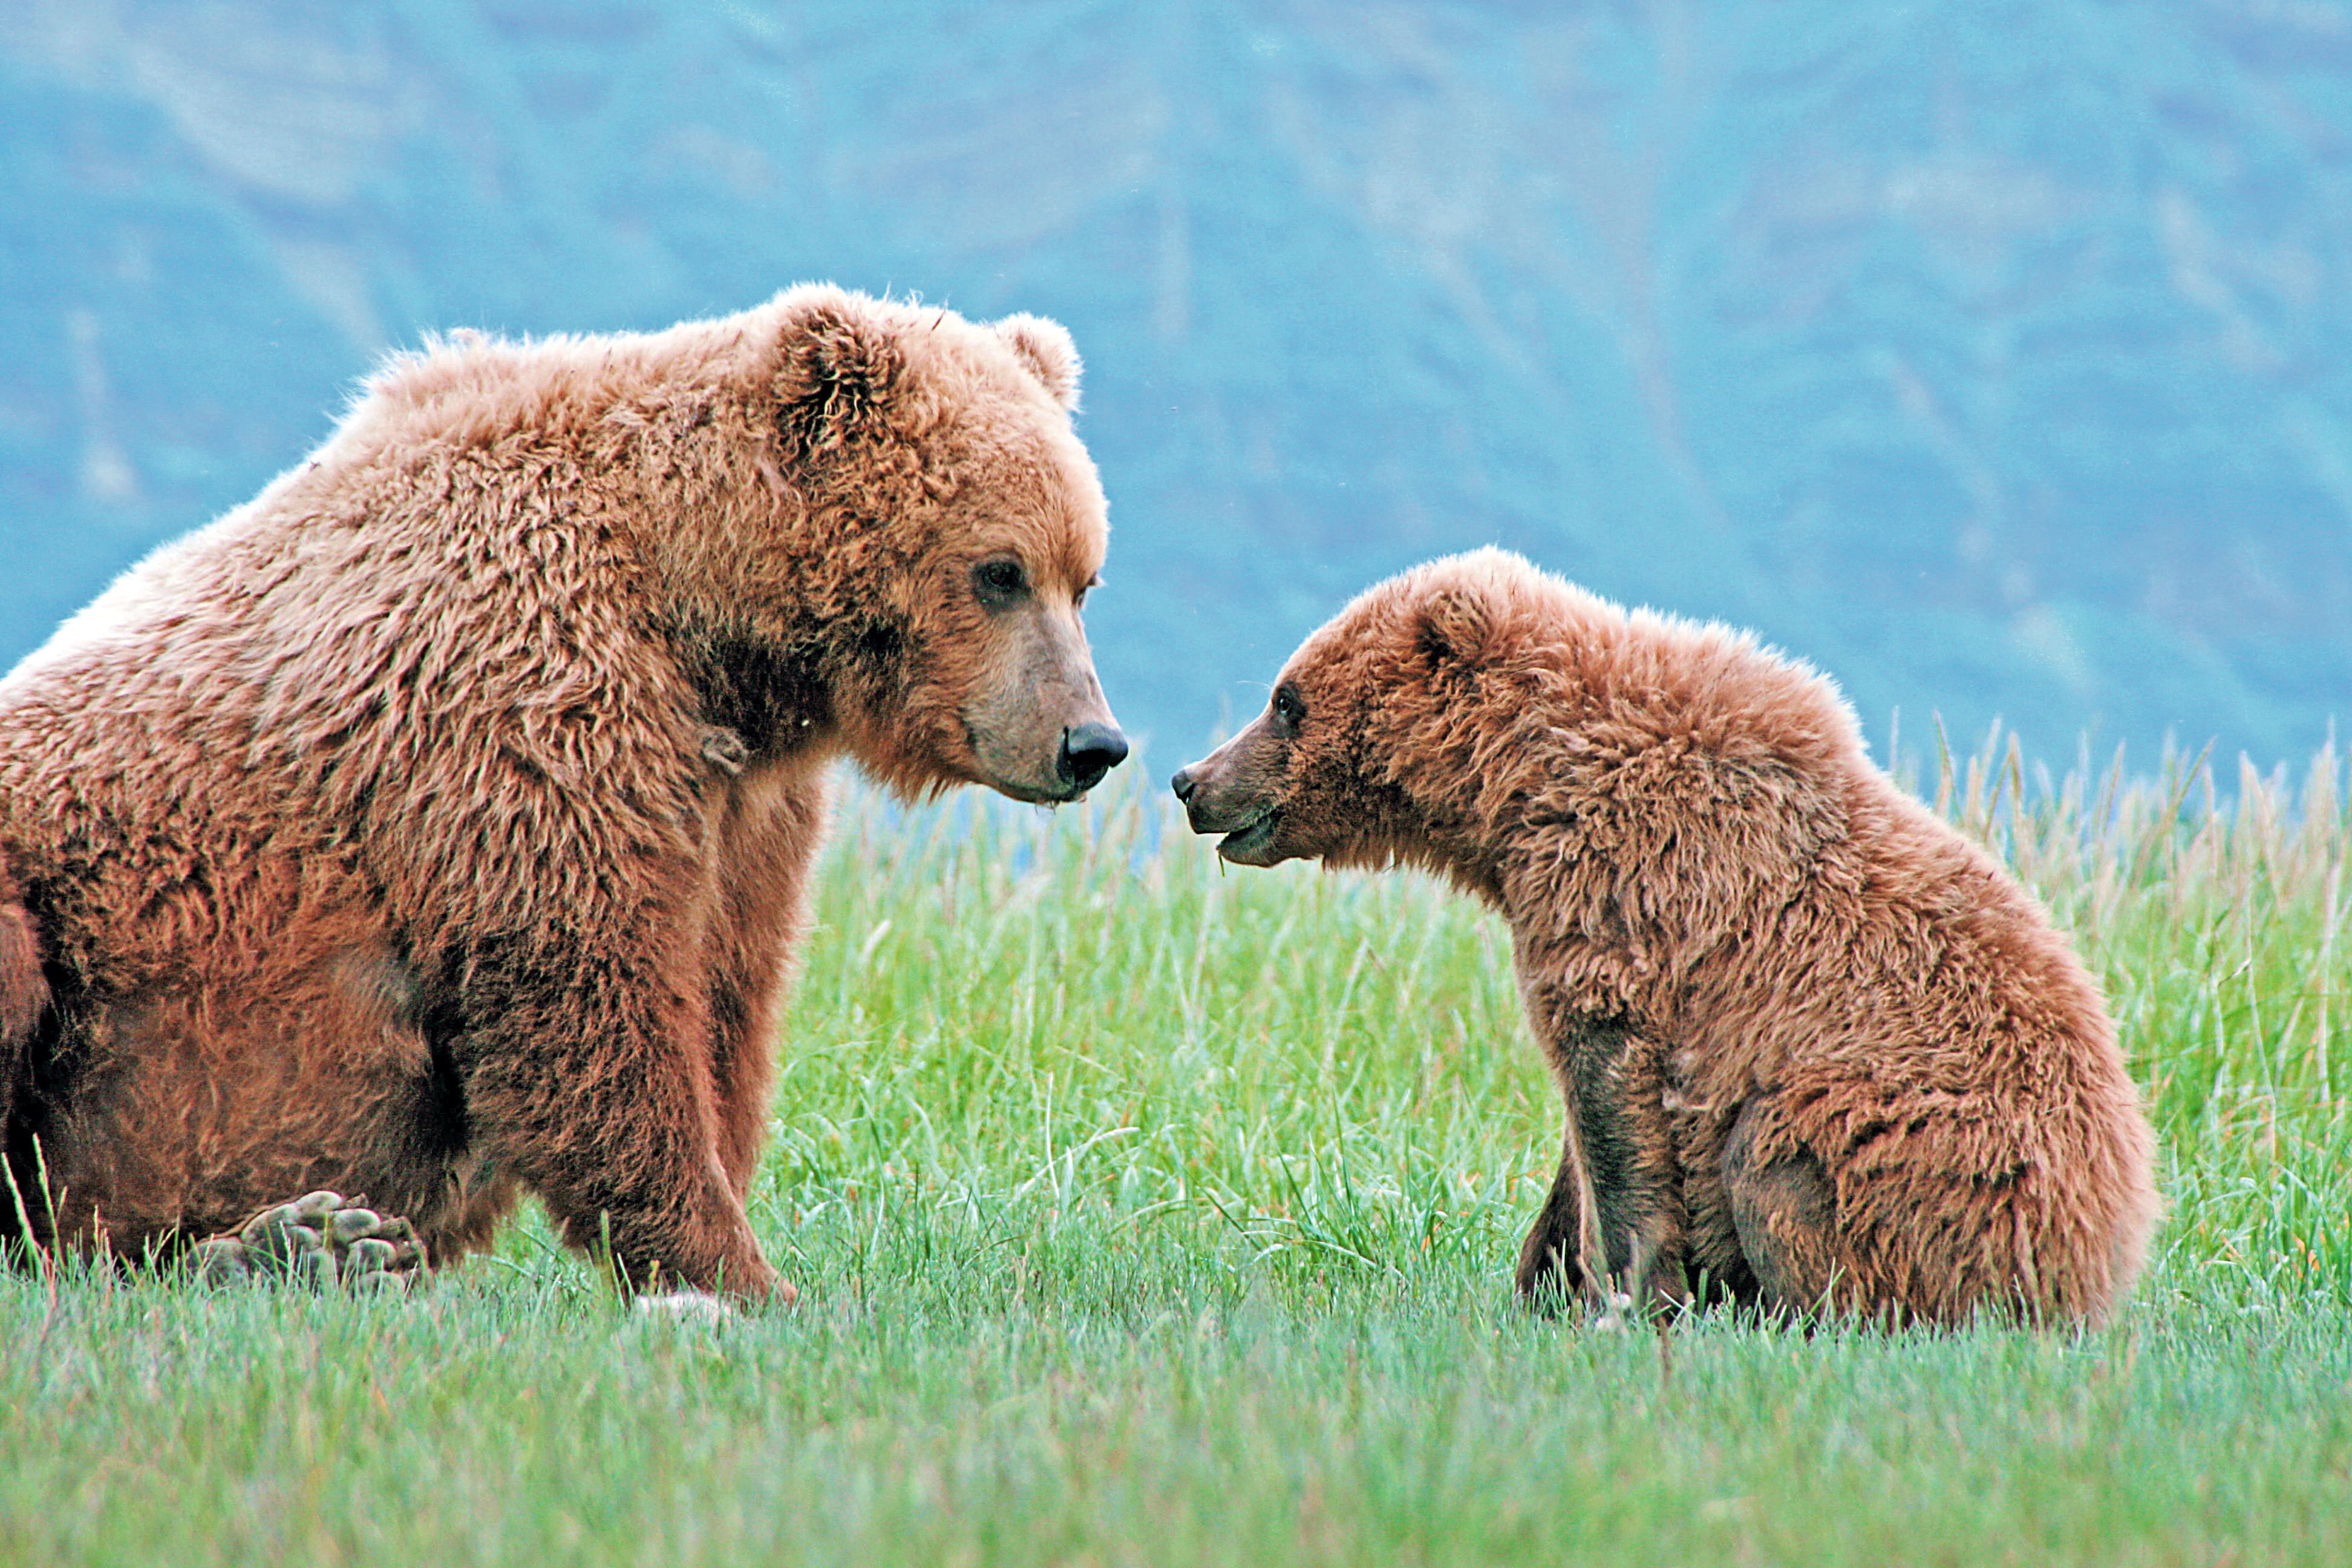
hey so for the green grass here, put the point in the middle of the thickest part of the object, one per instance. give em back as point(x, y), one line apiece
point(1147, 1214)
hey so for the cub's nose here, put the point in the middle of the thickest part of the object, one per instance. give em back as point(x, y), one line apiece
point(1184, 784)
point(1090, 750)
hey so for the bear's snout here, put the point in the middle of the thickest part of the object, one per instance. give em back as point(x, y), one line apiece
point(1088, 751)
point(1220, 796)
point(1212, 801)
point(1196, 788)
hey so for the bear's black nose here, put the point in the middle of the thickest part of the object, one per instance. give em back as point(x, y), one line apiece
point(1089, 751)
point(1183, 784)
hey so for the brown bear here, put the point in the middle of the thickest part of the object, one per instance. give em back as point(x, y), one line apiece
point(1819, 1052)
point(438, 825)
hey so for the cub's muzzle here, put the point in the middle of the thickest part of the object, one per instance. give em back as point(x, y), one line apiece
point(1246, 818)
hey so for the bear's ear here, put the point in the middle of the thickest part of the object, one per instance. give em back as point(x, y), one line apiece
point(1045, 349)
point(840, 365)
point(1457, 625)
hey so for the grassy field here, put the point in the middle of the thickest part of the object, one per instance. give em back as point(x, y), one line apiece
point(1147, 1214)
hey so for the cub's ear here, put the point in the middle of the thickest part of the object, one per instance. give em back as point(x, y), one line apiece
point(1045, 349)
point(1456, 627)
point(839, 366)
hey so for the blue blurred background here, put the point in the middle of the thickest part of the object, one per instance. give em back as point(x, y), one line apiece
point(1993, 356)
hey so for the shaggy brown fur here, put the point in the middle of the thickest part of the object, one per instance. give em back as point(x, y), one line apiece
point(24, 989)
point(1817, 1051)
point(438, 825)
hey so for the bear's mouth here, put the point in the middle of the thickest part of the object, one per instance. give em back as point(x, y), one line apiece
point(1032, 794)
point(1247, 844)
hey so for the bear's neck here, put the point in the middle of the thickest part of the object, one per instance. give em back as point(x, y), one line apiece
point(778, 701)
point(1475, 866)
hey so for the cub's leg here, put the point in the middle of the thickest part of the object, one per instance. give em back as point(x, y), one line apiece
point(1617, 1198)
point(1907, 1213)
point(1718, 1267)
point(1785, 1211)
point(1550, 1272)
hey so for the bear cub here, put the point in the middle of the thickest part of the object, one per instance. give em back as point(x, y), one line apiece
point(1819, 1054)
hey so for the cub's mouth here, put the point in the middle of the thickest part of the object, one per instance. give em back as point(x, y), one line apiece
point(1250, 844)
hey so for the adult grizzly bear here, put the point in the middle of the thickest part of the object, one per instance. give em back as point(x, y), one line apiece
point(438, 825)
point(1817, 1051)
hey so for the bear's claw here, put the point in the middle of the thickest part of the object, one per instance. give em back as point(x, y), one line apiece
point(321, 1240)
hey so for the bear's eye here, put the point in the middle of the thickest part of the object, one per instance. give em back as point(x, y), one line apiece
point(1078, 600)
point(1289, 708)
point(999, 582)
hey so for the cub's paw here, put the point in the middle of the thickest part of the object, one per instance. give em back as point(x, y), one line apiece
point(321, 1240)
point(1612, 1314)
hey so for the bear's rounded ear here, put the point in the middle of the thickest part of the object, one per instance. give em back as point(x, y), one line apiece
point(840, 362)
point(1045, 349)
point(1456, 624)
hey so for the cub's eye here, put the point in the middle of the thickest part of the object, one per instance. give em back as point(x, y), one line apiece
point(1289, 708)
point(1078, 600)
point(999, 582)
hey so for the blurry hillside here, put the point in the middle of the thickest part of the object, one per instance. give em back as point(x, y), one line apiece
point(1998, 357)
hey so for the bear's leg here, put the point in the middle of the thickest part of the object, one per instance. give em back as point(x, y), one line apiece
point(768, 836)
point(1718, 1269)
point(180, 1113)
point(1550, 1273)
point(1785, 1211)
point(1913, 1213)
point(1619, 1167)
point(1620, 1096)
point(590, 1078)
